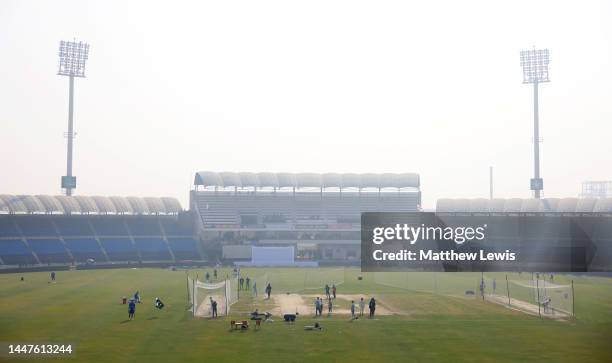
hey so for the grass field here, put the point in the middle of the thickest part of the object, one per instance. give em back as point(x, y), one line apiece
point(83, 308)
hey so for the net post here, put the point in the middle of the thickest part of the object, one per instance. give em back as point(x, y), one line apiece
point(538, 301)
point(508, 290)
point(193, 296)
point(187, 280)
point(573, 301)
point(225, 293)
point(482, 284)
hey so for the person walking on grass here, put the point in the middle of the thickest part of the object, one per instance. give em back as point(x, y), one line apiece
point(372, 306)
point(255, 288)
point(352, 309)
point(215, 273)
point(327, 291)
point(131, 309)
point(269, 290)
point(361, 306)
point(248, 283)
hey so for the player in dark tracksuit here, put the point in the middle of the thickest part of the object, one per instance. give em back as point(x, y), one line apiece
point(372, 306)
point(269, 290)
point(131, 309)
point(214, 308)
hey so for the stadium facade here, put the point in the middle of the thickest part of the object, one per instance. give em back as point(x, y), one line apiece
point(318, 214)
point(50, 230)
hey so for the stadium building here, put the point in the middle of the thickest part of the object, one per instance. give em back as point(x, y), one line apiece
point(50, 230)
point(317, 214)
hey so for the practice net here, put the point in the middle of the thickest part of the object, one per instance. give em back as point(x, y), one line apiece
point(536, 294)
point(531, 294)
point(225, 293)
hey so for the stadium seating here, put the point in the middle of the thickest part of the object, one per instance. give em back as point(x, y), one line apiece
point(73, 226)
point(38, 226)
point(120, 249)
point(15, 252)
point(46, 229)
point(85, 248)
point(144, 226)
point(516, 205)
point(225, 208)
point(153, 249)
point(8, 227)
point(109, 226)
point(49, 250)
point(184, 248)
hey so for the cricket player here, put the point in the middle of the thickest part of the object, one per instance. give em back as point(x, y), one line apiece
point(131, 309)
point(213, 304)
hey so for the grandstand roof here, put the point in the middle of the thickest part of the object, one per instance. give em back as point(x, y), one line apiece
point(62, 204)
point(516, 205)
point(301, 180)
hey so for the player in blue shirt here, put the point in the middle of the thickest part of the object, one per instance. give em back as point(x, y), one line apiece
point(131, 309)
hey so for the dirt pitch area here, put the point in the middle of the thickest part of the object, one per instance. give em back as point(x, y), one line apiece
point(205, 309)
point(525, 307)
point(304, 304)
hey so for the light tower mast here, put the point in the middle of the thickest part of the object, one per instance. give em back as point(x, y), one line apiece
point(535, 71)
point(72, 57)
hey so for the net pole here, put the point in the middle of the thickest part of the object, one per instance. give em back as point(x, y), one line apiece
point(193, 296)
point(225, 295)
point(538, 289)
point(482, 285)
point(508, 290)
point(573, 304)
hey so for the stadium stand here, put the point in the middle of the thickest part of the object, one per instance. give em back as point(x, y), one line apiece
point(49, 250)
point(184, 248)
point(120, 249)
point(516, 205)
point(85, 248)
point(591, 220)
point(40, 230)
point(250, 200)
point(15, 252)
point(318, 214)
point(153, 249)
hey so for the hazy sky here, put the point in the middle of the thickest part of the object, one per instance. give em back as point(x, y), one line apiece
point(432, 87)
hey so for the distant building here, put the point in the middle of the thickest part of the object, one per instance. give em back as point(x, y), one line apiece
point(596, 189)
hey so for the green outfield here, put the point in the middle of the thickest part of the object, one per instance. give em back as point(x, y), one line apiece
point(425, 323)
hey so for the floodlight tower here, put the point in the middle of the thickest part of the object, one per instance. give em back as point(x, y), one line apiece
point(535, 71)
point(72, 57)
